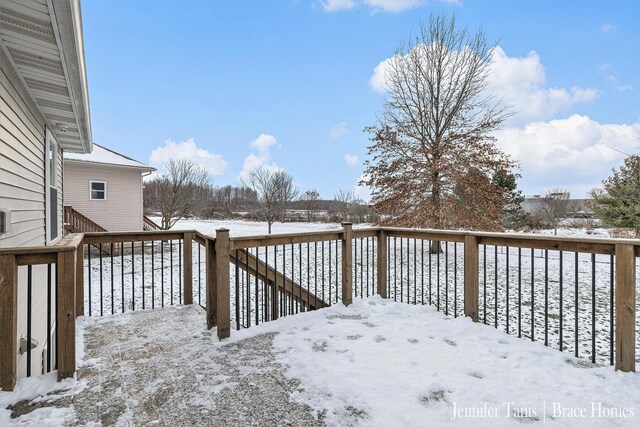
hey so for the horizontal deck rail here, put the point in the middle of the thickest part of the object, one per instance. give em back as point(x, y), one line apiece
point(489, 277)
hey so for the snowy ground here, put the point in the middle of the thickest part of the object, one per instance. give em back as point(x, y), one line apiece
point(375, 363)
point(239, 228)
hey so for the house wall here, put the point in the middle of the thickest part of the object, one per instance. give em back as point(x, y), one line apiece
point(122, 210)
point(22, 192)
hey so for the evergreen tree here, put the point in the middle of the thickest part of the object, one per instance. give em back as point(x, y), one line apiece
point(513, 214)
point(617, 203)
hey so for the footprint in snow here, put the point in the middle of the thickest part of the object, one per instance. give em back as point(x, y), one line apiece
point(475, 374)
point(354, 337)
point(369, 325)
point(503, 341)
point(320, 347)
point(450, 342)
point(413, 340)
point(380, 338)
point(438, 395)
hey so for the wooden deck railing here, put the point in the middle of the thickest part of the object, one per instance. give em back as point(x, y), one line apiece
point(556, 289)
point(149, 225)
point(75, 222)
point(63, 263)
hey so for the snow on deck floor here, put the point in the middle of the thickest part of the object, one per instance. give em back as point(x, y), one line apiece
point(374, 363)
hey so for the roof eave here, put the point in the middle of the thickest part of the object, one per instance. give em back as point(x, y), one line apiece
point(67, 23)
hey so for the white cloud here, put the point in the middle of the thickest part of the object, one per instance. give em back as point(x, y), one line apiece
point(608, 28)
point(261, 156)
point(520, 82)
point(213, 163)
point(337, 5)
point(352, 160)
point(615, 82)
point(338, 130)
point(391, 6)
point(378, 80)
point(576, 153)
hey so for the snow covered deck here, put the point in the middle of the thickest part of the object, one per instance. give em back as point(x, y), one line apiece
point(374, 363)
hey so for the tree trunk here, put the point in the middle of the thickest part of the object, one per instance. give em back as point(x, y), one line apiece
point(436, 220)
point(269, 223)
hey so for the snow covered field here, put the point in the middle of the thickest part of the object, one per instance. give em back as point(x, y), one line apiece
point(380, 363)
point(415, 277)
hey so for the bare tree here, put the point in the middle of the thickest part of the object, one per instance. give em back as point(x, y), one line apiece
point(181, 191)
point(435, 127)
point(342, 203)
point(554, 206)
point(275, 190)
point(310, 199)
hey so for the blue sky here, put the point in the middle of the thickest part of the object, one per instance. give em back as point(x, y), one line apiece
point(232, 84)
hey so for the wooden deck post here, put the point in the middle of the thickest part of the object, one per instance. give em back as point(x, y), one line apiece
point(381, 261)
point(80, 280)
point(210, 283)
point(625, 300)
point(8, 321)
point(471, 291)
point(223, 303)
point(347, 263)
point(187, 267)
point(66, 319)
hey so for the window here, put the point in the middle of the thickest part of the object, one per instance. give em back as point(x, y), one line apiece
point(51, 192)
point(98, 190)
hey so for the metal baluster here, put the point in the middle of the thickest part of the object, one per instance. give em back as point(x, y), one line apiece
point(455, 279)
point(257, 296)
point(533, 319)
point(401, 278)
point(29, 313)
point(519, 292)
point(89, 274)
point(430, 279)
point(446, 278)
point(484, 283)
point(237, 288)
point(153, 275)
point(560, 279)
point(546, 297)
point(143, 282)
point(611, 305)
point(133, 276)
point(576, 303)
point(113, 309)
point(355, 266)
point(495, 286)
point(422, 267)
point(593, 308)
point(49, 320)
point(507, 282)
point(122, 272)
point(162, 272)
point(101, 295)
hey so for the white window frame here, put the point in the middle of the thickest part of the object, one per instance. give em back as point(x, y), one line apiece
point(91, 189)
point(50, 170)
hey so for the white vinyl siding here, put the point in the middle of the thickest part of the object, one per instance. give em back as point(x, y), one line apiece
point(122, 208)
point(22, 192)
